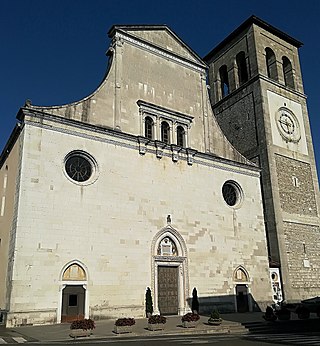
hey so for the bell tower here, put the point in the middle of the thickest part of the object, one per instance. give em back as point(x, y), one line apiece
point(258, 99)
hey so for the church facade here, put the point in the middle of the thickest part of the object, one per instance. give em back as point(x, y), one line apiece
point(152, 182)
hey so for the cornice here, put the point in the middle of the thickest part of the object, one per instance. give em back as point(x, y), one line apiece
point(141, 144)
point(151, 108)
point(149, 47)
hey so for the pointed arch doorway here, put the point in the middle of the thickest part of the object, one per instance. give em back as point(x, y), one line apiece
point(73, 293)
point(242, 294)
point(170, 280)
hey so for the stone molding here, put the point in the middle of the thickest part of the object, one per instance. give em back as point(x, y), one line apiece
point(129, 141)
point(160, 52)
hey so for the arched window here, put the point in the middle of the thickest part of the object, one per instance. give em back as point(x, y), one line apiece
point(148, 128)
point(180, 136)
point(271, 64)
point(287, 72)
point(165, 132)
point(74, 273)
point(223, 72)
point(167, 247)
point(240, 275)
point(242, 68)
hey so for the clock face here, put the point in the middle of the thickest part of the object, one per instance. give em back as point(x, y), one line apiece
point(288, 125)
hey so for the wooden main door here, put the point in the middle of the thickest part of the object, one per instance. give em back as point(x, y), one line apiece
point(73, 300)
point(168, 290)
point(242, 298)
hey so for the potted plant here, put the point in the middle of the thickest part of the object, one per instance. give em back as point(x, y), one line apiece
point(195, 301)
point(124, 325)
point(214, 318)
point(283, 314)
point(303, 313)
point(156, 322)
point(269, 315)
point(81, 328)
point(149, 304)
point(190, 320)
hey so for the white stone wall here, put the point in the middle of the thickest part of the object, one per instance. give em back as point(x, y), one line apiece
point(108, 226)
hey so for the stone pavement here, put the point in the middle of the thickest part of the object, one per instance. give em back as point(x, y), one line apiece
point(231, 324)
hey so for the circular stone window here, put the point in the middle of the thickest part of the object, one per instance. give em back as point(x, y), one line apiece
point(231, 193)
point(79, 166)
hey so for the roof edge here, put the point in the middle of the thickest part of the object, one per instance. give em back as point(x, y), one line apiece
point(10, 143)
point(253, 20)
point(136, 27)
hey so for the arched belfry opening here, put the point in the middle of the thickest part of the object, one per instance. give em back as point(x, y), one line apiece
point(170, 280)
point(73, 293)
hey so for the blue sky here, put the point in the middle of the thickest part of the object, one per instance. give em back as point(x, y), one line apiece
point(53, 51)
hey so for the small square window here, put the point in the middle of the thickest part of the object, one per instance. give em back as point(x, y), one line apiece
point(73, 300)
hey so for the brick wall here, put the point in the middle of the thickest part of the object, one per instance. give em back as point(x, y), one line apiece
point(296, 190)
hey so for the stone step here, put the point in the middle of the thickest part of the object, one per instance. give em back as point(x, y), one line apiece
point(283, 326)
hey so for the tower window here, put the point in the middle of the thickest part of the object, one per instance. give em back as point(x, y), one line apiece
point(287, 72)
point(165, 132)
point(295, 181)
point(271, 64)
point(223, 72)
point(148, 130)
point(180, 136)
point(242, 68)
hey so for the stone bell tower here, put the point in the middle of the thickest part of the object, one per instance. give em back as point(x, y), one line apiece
point(257, 96)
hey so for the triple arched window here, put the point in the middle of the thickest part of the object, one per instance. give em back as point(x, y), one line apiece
point(165, 132)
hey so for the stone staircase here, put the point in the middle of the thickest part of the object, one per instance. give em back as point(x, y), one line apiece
point(278, 327)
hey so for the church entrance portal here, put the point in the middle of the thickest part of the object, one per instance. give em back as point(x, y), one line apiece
point(168, 299)
point(73, 302)
point(242, 298)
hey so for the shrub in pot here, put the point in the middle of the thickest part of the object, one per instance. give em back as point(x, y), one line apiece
point(190, 319)
point(214, 318)
point(283, 314)
point(156, 322)
point(82, 327)
point(149, 304)
point(269, 315)
point(195, 301)
point(124, 325)
point(85, 324)
point(303, 312)
point(121, 322)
